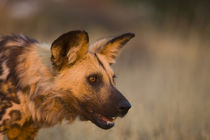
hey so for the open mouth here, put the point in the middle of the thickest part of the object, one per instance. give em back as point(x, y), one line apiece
point(101, 117)
point(103, 121)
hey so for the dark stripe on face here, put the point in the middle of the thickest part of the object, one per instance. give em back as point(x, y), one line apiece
point(99, 61)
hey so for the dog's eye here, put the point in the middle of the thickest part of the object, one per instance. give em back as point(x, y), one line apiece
point(93, 78)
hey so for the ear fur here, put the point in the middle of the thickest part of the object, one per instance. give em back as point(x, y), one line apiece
point(68, 48)
point(110, 47)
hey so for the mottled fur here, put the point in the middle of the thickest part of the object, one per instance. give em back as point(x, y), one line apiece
point(41, 86)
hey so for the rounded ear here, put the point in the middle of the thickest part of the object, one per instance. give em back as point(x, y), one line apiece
point(68, 48)
point(110, 47)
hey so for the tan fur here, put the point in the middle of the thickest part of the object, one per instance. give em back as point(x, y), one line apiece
point(16, 42)
point(30, 73)
point(50, 84)
point(101, 42)
point(6, 71)
point(1, 137)
point(78, 72)
point(110, 47)
point(44, 55)
point(27, 132)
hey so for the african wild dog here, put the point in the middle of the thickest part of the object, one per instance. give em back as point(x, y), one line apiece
point(41, 86)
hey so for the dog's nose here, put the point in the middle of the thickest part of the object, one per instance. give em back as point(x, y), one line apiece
point(123, 108)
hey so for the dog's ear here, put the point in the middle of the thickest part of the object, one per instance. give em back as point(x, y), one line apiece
point(68, 48)
point(110, 47)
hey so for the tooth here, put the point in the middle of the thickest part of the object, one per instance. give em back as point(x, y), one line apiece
point(108, 122)
point(114, 118)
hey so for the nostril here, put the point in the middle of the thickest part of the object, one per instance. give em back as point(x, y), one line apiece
point(124, 107)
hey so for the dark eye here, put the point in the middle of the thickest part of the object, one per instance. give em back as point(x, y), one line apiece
point(92, 78)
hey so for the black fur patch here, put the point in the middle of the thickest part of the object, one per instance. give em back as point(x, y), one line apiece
point(16, 38)
point(8, 93)
point(4, 104)
point(1, 70)
point(15, 115)
point(122, 39)
point(12, 63)
point(63, 44)
point(20, 42)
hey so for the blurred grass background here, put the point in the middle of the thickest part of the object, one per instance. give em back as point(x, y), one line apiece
point(163, 71)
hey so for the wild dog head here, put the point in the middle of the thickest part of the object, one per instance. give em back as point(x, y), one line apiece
point(85, 76)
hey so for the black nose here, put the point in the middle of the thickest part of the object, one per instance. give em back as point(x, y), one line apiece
point(123, 108)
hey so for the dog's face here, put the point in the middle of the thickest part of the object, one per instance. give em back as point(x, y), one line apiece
point(85, 74)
